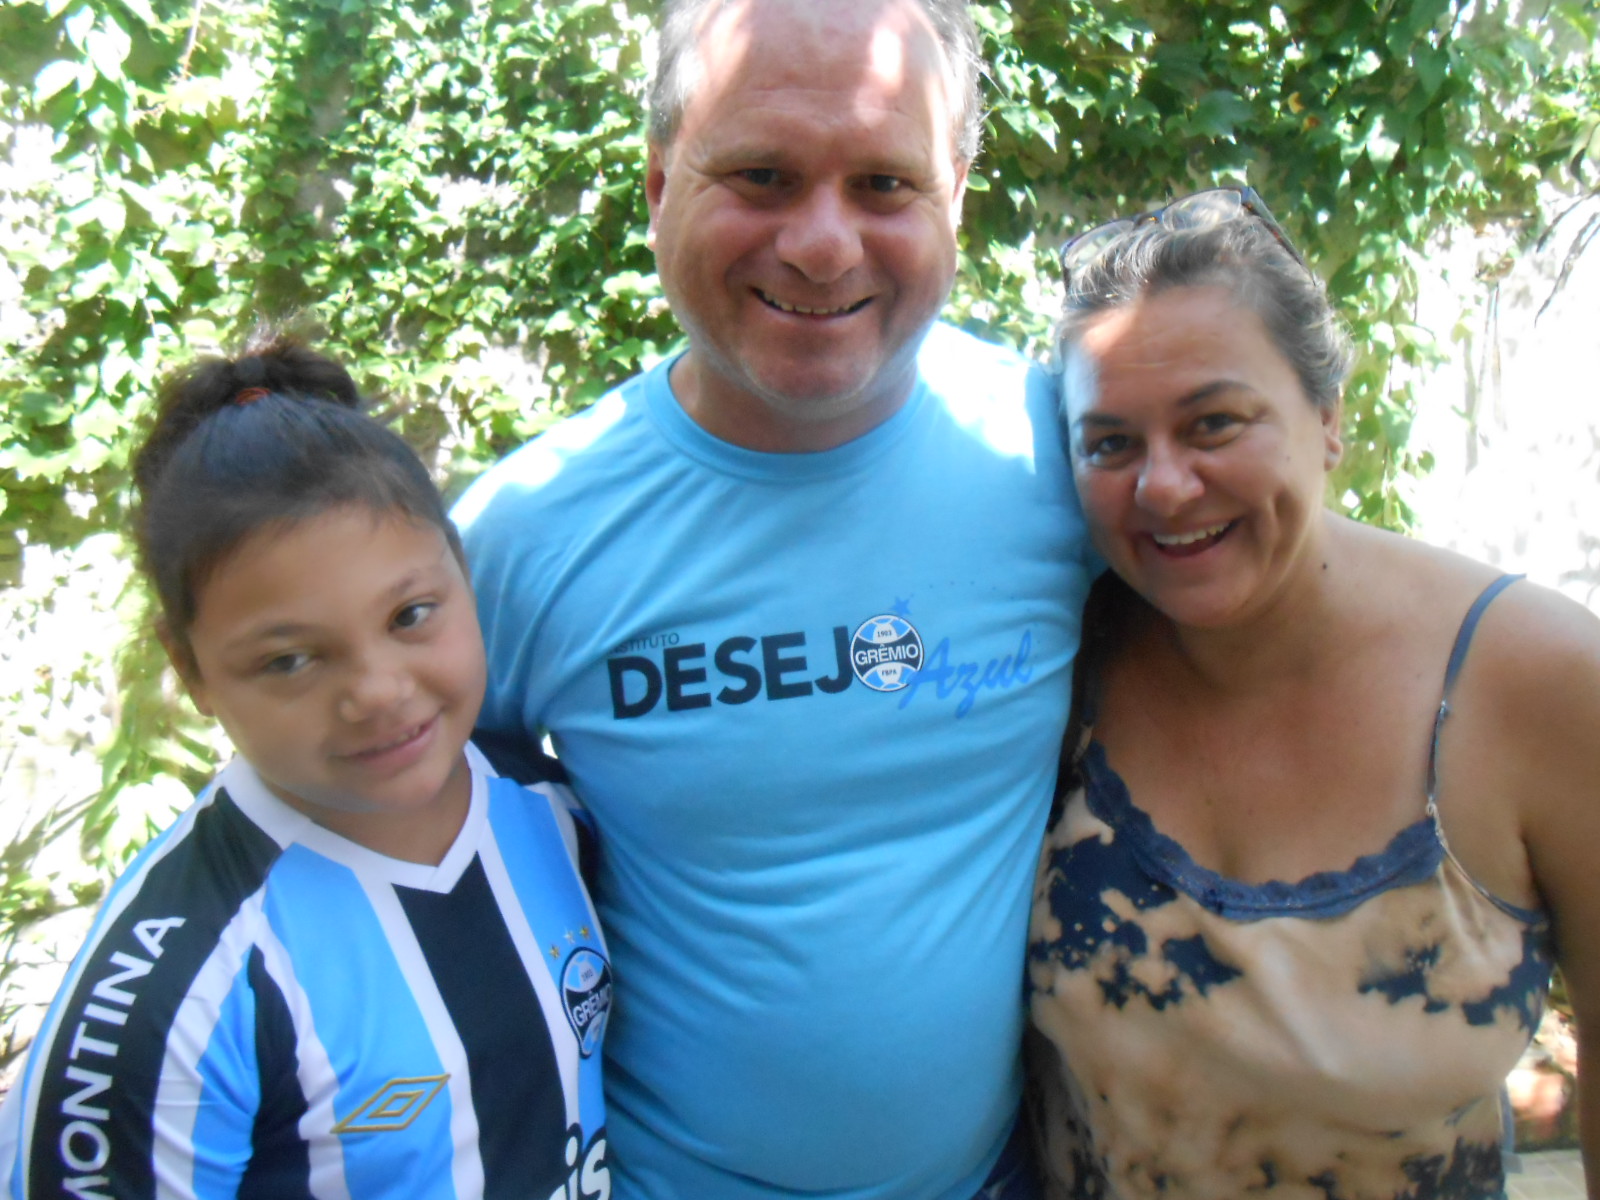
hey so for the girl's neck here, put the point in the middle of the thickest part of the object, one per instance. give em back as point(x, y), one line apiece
point(421, 836)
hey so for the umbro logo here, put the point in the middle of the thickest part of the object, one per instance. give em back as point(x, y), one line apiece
point(393, 1106)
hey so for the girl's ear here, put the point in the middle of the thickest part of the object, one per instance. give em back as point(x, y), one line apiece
point(183, 663)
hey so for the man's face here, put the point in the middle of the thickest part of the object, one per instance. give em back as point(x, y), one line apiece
point(804, 217)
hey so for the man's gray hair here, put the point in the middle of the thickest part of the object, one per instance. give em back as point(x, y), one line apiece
point(677, 68)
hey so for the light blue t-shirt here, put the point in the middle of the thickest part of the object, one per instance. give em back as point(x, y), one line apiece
point(814, 703)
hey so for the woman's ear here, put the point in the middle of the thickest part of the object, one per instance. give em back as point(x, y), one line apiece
point(183, 663)
point(1332, 433)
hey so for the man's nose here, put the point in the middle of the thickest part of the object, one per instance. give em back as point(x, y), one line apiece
point(1167, 480)
point(821, 235)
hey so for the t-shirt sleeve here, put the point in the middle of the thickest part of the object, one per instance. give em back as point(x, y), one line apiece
point(10, 1137)
point(508, 556)
point(1048, 393)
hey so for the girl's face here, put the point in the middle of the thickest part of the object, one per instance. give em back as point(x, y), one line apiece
point(342, 656)
point(1200, 463)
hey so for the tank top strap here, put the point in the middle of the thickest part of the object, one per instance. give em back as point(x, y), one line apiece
point(1458, 655)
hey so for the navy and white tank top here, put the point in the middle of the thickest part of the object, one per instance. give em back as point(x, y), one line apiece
point(1345, 1036)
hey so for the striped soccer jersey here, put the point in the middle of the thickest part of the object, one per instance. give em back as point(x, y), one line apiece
point(265, 1009)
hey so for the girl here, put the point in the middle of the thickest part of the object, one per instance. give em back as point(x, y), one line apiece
point(360, 965)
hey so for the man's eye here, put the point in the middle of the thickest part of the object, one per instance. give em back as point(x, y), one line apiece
point(885, 184)
point(759, 176)
point(412, 615)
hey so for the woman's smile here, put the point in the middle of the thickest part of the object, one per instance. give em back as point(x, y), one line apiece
point(1199, 459)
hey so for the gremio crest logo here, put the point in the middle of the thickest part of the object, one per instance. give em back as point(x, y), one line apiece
point(885, 651)
point(586, 993)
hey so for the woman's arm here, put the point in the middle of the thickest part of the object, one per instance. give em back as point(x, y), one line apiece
point(1554, 731)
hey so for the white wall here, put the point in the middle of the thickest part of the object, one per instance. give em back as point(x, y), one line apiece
point(1514, 419)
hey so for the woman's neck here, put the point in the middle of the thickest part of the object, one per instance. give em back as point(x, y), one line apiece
point(1288, 637)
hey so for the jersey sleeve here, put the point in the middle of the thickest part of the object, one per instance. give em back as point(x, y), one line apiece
point(146, 1066)
point(577, 829)
point(514, 755)
point(107, 1108)
point(526, 762)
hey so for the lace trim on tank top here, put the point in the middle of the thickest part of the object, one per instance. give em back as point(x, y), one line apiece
point(1412, 855)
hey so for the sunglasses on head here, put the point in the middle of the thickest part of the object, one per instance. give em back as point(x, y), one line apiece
point(1199, 210)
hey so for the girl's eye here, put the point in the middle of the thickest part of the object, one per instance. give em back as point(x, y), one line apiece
point(286, 663)
point(412, 615)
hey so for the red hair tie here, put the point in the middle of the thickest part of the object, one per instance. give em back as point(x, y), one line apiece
point(250, 395)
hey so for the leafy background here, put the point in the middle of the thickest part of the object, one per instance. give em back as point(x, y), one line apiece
point(451, 191)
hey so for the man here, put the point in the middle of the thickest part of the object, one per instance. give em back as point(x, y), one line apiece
point(798, 609)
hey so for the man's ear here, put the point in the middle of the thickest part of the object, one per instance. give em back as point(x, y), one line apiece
point(655, 184)
point(183, 663)
point(960, 192)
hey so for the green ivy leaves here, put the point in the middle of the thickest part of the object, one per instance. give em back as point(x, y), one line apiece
point(452, 189)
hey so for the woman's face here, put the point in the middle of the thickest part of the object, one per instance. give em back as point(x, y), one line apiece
point(1199, 460)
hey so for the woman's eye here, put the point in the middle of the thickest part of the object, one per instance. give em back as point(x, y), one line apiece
point(1109, 446)
point(412, 615)
point(1215, 423)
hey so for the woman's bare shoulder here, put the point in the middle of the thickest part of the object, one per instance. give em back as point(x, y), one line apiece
point(1434, 581)
point(1541, 648)
point(1419, 592)
point(1535, 652)
point(1532, 680)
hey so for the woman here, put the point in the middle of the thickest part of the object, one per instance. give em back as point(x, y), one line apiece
point(1263, 959)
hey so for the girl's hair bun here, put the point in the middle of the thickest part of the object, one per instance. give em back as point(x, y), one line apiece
point(271, 437)
point(274, 363)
